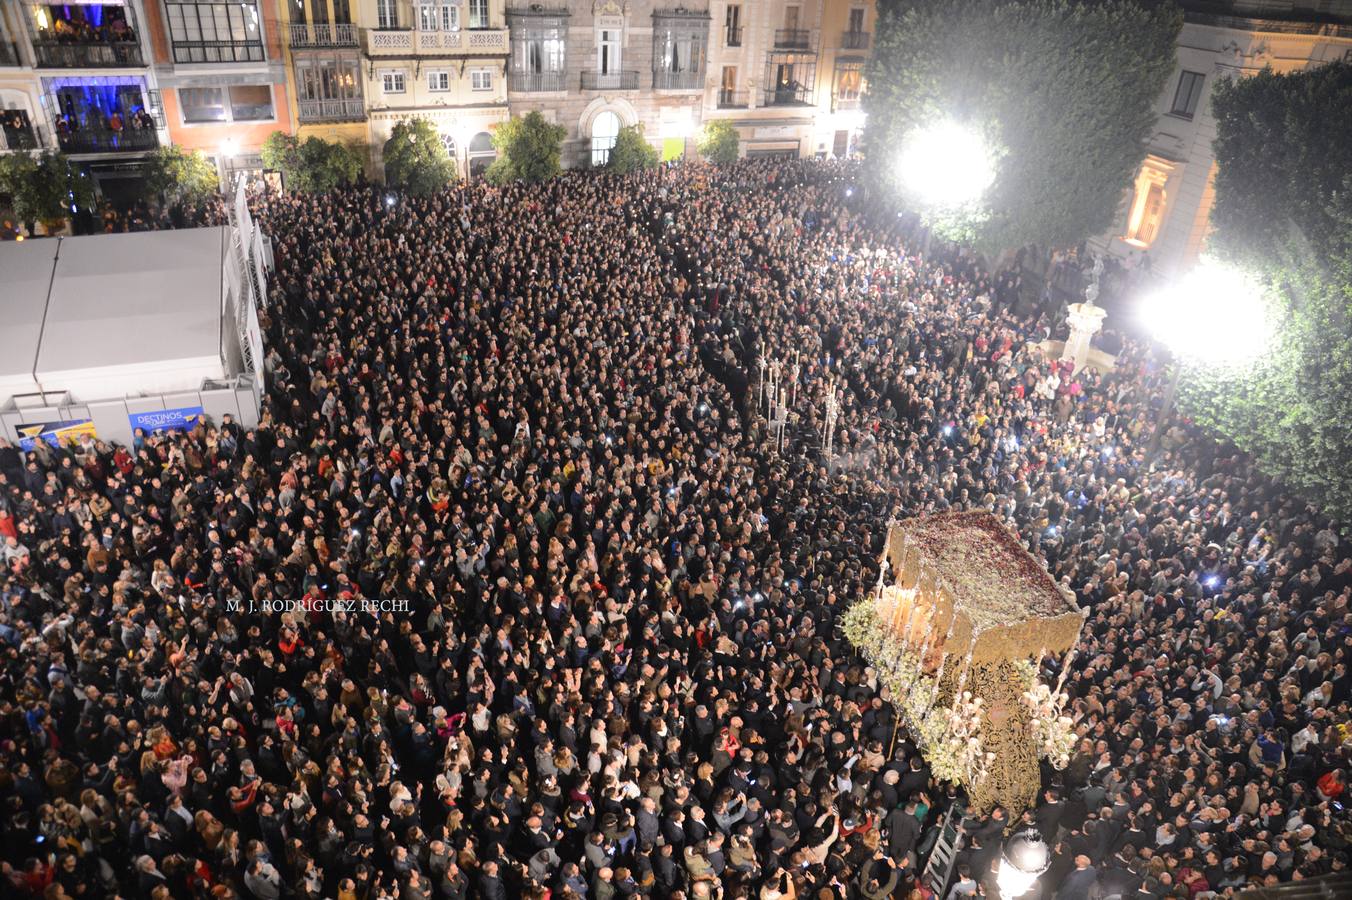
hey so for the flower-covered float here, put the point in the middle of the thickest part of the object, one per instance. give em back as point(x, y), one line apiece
point(957, 640)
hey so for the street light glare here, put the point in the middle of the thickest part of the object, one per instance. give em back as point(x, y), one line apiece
point(1215, 314)
point(947, 164)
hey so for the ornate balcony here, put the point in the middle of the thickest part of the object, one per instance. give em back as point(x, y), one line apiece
point(406, 41)
point(844, 101)
point(485, 40)
point(94, 55)
point(793, 39)
point(323, 35)
point(349, 110)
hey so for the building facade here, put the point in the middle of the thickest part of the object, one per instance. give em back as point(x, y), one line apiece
point(78, 78)
point(112, 81)
point(324, 68)
point(1166, 212)
point(595, 67)
point(788, 75)
point(222, 78)
point(441, 60)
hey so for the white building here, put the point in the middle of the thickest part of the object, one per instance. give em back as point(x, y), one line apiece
point(1166, 214)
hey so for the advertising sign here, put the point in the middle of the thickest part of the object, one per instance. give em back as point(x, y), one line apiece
point(185, 418)
point(55, 433)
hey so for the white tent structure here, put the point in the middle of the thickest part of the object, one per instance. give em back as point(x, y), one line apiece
point(26, 269)
point(133, 314)
point(108, 327)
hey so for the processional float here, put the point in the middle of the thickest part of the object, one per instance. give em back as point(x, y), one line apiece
point(958, 638)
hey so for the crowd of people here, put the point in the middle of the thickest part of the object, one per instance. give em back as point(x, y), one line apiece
point(510, 594)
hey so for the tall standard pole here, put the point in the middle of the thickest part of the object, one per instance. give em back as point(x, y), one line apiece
point(1166, 410)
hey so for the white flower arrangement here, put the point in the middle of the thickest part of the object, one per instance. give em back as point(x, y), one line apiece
point(1053, 732)
point(948, 737)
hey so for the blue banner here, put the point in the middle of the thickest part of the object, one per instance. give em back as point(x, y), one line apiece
point(57, 434)
point(181, 419)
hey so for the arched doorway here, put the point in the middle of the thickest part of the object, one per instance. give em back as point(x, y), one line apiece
point(452, 150)
point(605, 131)
point(481, 153)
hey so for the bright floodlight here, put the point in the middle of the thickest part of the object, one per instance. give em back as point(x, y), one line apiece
point(947, 164)
point(1215, 314)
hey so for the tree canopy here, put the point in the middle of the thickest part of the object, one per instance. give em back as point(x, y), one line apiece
point(529, 149)
point(1283, 211)
point(178, 177)
point(1064, 91)
point(719, 142)
point(44, 188)
point(631, 151)
point(416, 159)
point(313, 165)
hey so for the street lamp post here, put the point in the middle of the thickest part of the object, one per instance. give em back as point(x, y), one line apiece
point(946, 165)
point(1214, 316)
point(1024, 859)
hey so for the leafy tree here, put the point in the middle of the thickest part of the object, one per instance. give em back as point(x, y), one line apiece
point(631, 151)
point(720, 143)
point(1064, 91)
point(313, 165)
point(528, 149)
point(281, 152)
point(180, 178)
point(45, 187)
point(1283, 211)
point(416, 160)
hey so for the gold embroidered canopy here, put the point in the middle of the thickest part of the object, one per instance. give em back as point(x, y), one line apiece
point(968, 569)
point(966, 616)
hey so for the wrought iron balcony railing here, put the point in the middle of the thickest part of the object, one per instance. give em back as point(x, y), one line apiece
point(793, 38)
point(323, 35)
point(732, 36)
point(788, 96)
point(106, 140)
point(349, 110)
point(730, 99)
point(678, 81)
point(854, 40)
point(535, 82)
point(100, 55)
point(609, 81)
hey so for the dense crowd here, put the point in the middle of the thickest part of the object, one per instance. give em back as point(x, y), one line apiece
point(510, 594)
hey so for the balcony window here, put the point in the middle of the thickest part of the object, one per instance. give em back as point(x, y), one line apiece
point(1187, 94)
point(849, 84)
point(387, 14)
point(679, 51)
point(16, 131)
point(538, 50)
point(478, 13)
point(102, 115)
point(207, 32)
